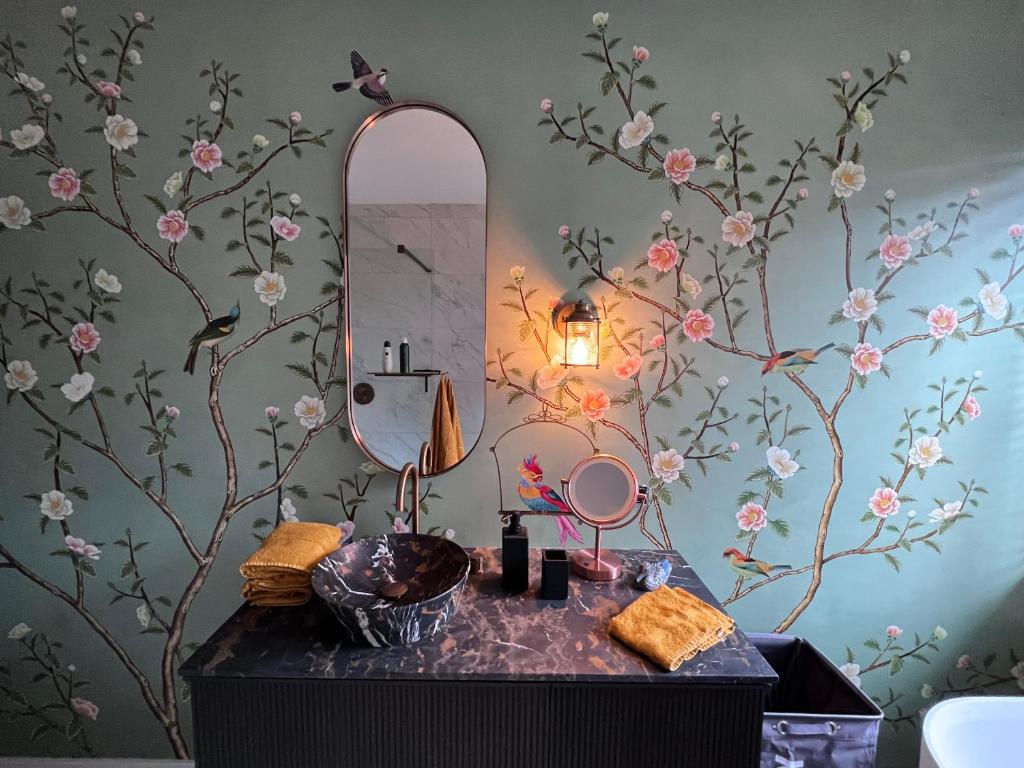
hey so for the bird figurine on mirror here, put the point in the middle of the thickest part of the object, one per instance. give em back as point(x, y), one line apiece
point(794, 361)
point(747, 567)
point(215, 331)
point(368, 82)
point(539, 497)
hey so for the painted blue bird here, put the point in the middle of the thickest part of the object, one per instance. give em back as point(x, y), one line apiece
point(543, 498)
point(215, 331)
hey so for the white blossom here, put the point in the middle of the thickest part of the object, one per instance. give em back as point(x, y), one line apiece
point(143, 615)
point(847, 178)
point(860, 305)
point(260, 141)
point(134, 57)
point(79, 387)
point(55, 505)
point(925, 452)
point(121, 132)
point(14, 214)
point(947, 511)
point(294, 199)
point(288, 511)
point(174, 184)
point(68, 12)
point(992, 299)
point(781, 463)
point(20, 376)
point(216, 106)
point(634, 132)
point(270, 287)
point(862, 117)
point(852, 672)
point(27, 136)
point(310, 410)
point(667, 465)
point(107, 281)
point(19, 631)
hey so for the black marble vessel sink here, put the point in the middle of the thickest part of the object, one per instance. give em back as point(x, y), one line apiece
point(395, 589)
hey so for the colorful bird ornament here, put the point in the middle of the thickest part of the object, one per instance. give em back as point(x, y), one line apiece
point(369, 83)
point(794, 361)
point(542, 498)
point(215, 331)
point(747, 567)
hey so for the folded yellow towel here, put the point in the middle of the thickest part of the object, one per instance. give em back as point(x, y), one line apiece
point(278, 572)
point(446, 445)
point(670, 626)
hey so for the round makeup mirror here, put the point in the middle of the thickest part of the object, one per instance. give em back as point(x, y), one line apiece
point(603, 492)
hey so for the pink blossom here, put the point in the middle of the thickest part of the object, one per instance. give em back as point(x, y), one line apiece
point(554, 302)
point(84, 708)
point(400, 526)
point(698, 325)
point(172, 412)
point(884, 502)
point(894, 250)
point(295, 117)
point(79, 548)
point(64, 184)
point(866, 359)
point(803, 193)
point(973, 193)
point(716, 117)
point(139, 17)
point(1015, 231)
point(751, 517)
point(84, 338)
point(108, 89)
point(964, 662)
point(172, 226)
point(893, 632)
point(658, 341)
point(546, 105)
point(271, 412)
point(595, 404)
point(564, 232)
point(206, 156)
point(663, 255)
point(845, 76)
point(640, 54)
point(679, 164)
point(628, 367)
point(738, 229)
point(942, 321)
point(971, 407)
point(733, 447)
point(284, 228)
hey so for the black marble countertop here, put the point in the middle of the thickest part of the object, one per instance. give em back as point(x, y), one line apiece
point(494, 636)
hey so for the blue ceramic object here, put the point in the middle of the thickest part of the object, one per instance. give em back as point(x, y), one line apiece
point(653, 575)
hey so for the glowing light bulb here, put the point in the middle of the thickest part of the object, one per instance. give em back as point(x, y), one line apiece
point(579, 351)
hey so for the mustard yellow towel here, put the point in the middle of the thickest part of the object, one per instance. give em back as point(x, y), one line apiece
point(670, 626)
point(255, 594)
point(446, 446)
point(289, 554)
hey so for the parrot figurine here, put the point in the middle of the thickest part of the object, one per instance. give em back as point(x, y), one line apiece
point(794, 361)
point(543, 498)
point(215, 331)
point(747, 567)
point(653, 575)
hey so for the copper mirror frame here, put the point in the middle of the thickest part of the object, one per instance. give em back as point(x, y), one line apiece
point(349, 385)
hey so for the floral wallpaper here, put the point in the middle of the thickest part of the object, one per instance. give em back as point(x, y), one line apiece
point(801, 326)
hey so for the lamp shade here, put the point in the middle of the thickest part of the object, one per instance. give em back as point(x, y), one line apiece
point(582, 336)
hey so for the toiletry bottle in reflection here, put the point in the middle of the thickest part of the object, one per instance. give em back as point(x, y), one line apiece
point(403, 356)
point(388, 362)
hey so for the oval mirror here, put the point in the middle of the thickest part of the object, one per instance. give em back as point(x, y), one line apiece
point(415, 188)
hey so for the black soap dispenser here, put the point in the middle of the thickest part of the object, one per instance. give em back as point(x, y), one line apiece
point(515, 556)
point(404, 364)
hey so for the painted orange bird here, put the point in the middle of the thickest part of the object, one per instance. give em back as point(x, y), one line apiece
point(794, 361)
point(747, 567)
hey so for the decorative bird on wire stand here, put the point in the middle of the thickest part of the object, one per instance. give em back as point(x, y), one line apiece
point(369, 83)
point(215, 331)
point(747, 567)
point(539, 497)
point(794, 361)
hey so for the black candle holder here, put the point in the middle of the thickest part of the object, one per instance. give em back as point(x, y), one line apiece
point(554, 574)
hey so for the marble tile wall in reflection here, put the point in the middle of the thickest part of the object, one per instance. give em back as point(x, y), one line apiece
point(441, 313)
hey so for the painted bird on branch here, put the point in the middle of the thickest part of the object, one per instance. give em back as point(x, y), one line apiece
point(542, 498)
point(794, 361)
point(747, 567)
point(369, 83)
point(215, 331)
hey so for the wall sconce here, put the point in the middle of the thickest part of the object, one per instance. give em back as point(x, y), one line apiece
point(580, 326)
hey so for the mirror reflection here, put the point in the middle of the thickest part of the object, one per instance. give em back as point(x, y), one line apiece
point(416, 213)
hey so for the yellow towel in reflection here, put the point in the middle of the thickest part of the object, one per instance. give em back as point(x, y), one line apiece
point(670, 626)
point(446, 447)
point(278, 572)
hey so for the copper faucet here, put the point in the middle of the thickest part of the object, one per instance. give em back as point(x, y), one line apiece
point(407, 470)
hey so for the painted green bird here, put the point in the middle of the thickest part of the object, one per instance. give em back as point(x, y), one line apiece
point(215, 331)
point(747, 567)
point(794, 361)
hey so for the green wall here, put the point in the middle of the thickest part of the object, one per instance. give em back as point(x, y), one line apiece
point(955, 126)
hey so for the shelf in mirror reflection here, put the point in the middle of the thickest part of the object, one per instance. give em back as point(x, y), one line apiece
point(425, 375)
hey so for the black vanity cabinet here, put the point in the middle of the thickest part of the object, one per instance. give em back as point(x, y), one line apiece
point(511, 682)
